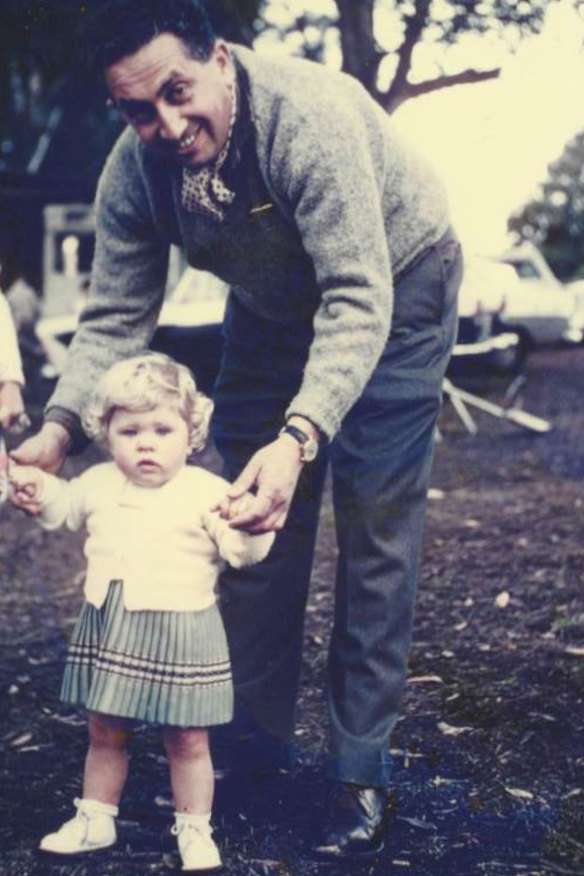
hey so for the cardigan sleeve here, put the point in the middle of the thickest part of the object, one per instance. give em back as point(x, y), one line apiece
point(236, 547)
point(10, 363)
point(63, 503)
point(128, 278)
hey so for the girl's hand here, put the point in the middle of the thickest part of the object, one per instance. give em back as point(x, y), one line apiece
point(11, 404)
point(26, 487)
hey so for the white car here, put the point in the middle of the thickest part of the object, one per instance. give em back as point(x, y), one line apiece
point(482, 343)
point(189, 328)
point(538, 307)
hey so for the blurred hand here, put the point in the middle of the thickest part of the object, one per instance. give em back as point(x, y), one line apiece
point(26, 487)
point(274, 472)
point(46, 450)
point(11, 404)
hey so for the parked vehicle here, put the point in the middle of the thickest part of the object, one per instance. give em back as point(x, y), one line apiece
point(189, 328)
point(483, 344)
point(539, 308)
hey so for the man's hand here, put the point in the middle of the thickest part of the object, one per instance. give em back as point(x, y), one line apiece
point(26, 487)
point(11, 404)
point(274, 471)
point(46, 450)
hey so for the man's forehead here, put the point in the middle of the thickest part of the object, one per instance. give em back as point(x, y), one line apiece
point(150, 66)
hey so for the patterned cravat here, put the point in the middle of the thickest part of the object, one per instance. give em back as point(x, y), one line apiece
point(203, 191)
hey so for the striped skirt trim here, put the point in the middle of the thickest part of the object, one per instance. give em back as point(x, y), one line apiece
point(154, 666)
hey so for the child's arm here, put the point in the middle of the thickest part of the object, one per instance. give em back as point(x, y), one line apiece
point(54, 501)
point(238, 548)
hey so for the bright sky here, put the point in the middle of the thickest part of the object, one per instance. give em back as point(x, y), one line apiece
point(492, 141)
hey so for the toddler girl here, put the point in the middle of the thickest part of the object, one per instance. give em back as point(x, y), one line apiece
point(149, 644)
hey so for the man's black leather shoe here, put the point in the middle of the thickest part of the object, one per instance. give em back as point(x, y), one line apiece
point(355, 822)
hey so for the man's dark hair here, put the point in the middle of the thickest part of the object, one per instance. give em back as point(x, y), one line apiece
point(122, 27)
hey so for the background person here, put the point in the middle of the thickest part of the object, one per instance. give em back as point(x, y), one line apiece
point(11, 374)
point(149, 644)
point(287, 181)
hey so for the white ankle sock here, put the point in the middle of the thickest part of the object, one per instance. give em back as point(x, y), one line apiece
point(96, 807)
point(200, 821)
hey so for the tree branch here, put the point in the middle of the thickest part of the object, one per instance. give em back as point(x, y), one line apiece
point(413, 28)
point(408, 90)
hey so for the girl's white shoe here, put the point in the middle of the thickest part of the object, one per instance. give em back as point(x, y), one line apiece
point(195, 843)
point(92, 828)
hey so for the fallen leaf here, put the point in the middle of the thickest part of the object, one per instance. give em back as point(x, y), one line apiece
point(21, 740)
point(450, 730)
point(574, 651)
point(425, 679)
point(418, 822)
point(519, 792)
point(503, 599)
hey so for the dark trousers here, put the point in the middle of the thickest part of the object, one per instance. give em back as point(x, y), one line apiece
point(381, 462)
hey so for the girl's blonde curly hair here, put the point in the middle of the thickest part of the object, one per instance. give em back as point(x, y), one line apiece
point(141, 384)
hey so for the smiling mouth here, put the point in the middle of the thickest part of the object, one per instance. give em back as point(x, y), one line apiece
point(189, 141)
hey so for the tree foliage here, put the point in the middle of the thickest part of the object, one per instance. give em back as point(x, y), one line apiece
point(399, 49)
point(554, 220)
point(381, 41)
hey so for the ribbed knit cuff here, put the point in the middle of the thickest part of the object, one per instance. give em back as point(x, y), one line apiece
point(72, 423)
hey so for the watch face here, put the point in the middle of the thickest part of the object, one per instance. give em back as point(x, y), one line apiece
point(309, 450)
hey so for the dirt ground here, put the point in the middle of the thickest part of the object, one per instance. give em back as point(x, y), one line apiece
point(489, 759)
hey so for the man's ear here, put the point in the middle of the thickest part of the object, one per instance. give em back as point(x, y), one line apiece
point(222, 55)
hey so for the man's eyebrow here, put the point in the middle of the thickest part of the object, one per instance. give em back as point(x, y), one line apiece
point(174, 74)
point(130, 102)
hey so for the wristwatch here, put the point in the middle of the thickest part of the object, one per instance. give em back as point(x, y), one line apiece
point(308, 445)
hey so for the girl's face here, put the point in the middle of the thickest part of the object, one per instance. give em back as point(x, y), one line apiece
point(149, 447)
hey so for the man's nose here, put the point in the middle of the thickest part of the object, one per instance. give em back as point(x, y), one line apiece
point(171, 125)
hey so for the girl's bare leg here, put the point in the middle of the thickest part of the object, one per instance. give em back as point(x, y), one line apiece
point(191, 769)
point(106, 764)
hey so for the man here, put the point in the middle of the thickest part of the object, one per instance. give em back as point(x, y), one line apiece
point(287, 181)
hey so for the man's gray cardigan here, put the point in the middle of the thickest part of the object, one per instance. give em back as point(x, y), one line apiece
point(352, 206)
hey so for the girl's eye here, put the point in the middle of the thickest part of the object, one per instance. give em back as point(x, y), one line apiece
point(128, 433)
point(163, 430)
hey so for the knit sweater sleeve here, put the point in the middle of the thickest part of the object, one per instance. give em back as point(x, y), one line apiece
point(326, 160)
point(128, 278)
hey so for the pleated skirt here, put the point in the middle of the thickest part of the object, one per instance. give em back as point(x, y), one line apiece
point(159, 667)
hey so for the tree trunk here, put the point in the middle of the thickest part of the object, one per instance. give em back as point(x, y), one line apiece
point(360, 58)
